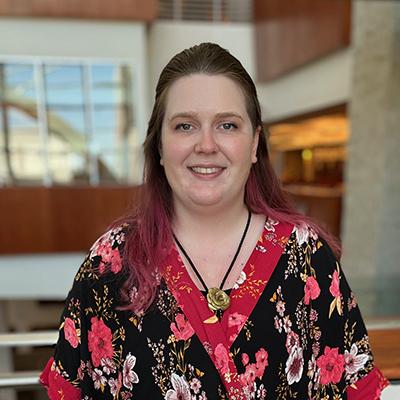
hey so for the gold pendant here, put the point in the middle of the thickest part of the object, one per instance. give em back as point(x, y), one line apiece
point(217, 300)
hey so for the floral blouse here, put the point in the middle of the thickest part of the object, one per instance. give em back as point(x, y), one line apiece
point(293, 330)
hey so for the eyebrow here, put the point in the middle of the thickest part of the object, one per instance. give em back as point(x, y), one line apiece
point(190, 114)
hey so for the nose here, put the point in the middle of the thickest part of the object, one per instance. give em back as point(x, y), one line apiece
point(206, 142)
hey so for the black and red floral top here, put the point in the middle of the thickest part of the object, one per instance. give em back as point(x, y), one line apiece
point(293, 330)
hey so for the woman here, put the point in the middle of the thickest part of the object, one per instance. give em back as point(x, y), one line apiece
point(215, 288)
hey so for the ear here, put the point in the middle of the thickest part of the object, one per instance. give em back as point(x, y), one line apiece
point(255, 145)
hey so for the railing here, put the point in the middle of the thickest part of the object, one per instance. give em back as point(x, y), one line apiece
point(207, 10)
point(18, 379)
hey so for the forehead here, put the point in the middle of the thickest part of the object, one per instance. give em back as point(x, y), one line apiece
point(205, 93)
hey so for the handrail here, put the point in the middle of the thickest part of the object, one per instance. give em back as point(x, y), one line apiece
point(19, 379)
point(18, 339)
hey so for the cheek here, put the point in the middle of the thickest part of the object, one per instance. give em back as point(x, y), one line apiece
point(174, 152)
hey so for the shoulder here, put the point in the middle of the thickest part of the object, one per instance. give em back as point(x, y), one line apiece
point(107, 252)
point(104, 261)
point(306, 238)
point(305, 235)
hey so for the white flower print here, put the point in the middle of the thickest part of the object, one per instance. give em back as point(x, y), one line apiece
point(294, 365)
point(114, 386)
point(202, 396)
point(98, 378)
point(129, 376)
point(261, 392)
point(180, 391)
point(108, 365)
point(354, 362)
point(278, 323)
point(240, 280)
point(270, 225)
point(302, 234)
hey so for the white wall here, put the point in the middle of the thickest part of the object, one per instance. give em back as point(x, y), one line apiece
point(169, 37)
point(323, 83)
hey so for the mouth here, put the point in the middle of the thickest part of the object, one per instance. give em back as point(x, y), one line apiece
point(206, 171)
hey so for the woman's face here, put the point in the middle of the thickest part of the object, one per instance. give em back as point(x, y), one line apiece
point(207, 142)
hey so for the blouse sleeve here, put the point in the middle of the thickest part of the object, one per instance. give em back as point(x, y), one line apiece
point(86, 326)
point(344, 357)
point(61, 374)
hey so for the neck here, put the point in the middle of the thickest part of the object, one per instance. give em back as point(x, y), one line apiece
point(206, 222)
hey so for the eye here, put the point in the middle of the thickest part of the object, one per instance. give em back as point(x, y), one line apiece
point(184, 127)
point(228, 126)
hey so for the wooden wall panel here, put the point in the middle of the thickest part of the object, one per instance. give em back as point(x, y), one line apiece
point(385, 345)
point(40, 220)
point(291, 33)
point(141, 10)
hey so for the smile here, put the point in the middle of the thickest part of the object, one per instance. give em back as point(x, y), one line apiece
point(206, 170)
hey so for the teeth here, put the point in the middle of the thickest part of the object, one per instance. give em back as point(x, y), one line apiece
point(202, 170)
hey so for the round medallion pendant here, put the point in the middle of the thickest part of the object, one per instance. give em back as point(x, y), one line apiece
point(217, 300)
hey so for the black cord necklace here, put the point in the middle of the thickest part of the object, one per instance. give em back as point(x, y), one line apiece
point(217, 299)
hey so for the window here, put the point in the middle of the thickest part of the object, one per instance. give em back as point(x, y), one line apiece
point(66, 123)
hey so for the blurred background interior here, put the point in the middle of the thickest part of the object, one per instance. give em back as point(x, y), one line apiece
point(76, 86)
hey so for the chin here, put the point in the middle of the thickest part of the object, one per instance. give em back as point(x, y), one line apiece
point(206, 200)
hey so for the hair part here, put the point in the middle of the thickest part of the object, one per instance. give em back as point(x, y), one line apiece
point(150, 237)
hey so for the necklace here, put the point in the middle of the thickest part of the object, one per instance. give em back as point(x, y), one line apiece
point(217, 299)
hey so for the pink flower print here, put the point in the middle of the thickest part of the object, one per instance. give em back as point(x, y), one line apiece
point(315, 348)
point(115, 385)
point(261, 361)
point(236, 319)
point(278, 323)
point(109, 256)
point(280, 307)
point(292, 340)
point(100, 341)
point(221, 358)
point(180, 391)
point(245, 359)
point(195, 385)
point(129, 376)
point(126, 395)
point(181, 328)
point(115, 261)
point(81, 371)
point(70, 332)
point(103, 250)
point(331, 365)
point(287, 324)
point(313, 315)
point(311, 290)
point(294, 365)
point(334, 288)
point(250, 374)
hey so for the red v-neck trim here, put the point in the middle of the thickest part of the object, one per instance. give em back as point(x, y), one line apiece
point(218, 336)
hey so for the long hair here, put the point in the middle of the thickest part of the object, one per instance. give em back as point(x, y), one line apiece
point(150, 236)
